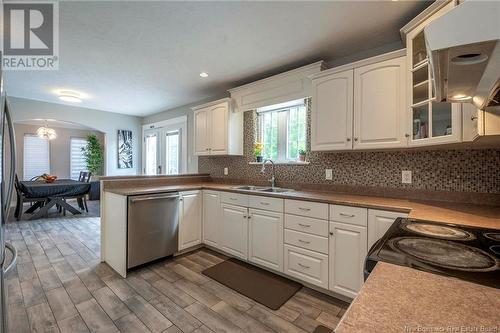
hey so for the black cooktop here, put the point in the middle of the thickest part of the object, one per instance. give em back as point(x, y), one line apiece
point(464, 252)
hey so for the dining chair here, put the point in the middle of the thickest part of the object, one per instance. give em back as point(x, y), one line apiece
point(84, 177)
point(22, 198)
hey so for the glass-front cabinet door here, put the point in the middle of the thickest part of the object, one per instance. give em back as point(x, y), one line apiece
point(430, 122)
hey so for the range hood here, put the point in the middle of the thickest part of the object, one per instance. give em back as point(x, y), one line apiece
point(464, 53)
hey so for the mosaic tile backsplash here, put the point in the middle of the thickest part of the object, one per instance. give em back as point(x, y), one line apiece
point(458, 170)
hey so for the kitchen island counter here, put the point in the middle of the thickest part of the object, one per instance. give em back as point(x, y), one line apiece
point(402, 299)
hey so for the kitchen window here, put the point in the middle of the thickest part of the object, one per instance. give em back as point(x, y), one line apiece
point(282, 130)
point(77, 160)
point(36, 156)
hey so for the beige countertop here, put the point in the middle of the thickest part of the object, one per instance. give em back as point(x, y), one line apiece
point(395, 298)
point(466, 214)
point(402, 299)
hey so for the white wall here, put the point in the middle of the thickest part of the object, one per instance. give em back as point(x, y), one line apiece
point(192, 160)
point(59, 148)
point(106, 122)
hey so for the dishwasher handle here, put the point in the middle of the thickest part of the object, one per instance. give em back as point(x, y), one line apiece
point(156, 197)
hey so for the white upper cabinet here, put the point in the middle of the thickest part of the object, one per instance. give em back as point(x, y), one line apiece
point(201, 134)
point(219, 134)
point(429, 122)
point(331, 116)
point(379, 105)
point(190, 219)
point(217, 129)
point(360, 105)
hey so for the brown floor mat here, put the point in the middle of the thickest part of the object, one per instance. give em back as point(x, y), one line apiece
point(262, 286)
point(322, 329)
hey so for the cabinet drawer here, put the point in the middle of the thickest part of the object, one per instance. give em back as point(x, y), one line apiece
point(309, 266)
point(307, 208)
point(234, 198)
point(266, 203)
point(348, 214)
point(307, 224)
point(306, 241)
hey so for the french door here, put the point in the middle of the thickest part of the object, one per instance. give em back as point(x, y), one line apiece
point(163, 149)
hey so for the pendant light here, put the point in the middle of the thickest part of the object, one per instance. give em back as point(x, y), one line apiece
point(45, 132)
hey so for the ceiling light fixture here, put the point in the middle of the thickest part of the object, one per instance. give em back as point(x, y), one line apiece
point(70, 96)
point(71, 99)
point(204, 74)
point(460, 97)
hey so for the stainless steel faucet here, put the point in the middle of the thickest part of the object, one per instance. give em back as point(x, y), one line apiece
point(273, 178)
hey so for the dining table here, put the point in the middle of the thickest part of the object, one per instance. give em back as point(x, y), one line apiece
point(55, 193)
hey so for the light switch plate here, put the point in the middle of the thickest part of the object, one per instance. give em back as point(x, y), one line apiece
point(226, 171)
point(406, 177)
point(328, 174)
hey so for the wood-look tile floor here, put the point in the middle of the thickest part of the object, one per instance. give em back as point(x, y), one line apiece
point(59, 285)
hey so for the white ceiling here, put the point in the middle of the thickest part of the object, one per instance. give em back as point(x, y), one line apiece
point(139, 58)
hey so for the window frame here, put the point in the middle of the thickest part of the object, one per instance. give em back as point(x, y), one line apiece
point(283, 112)
point(24, 153)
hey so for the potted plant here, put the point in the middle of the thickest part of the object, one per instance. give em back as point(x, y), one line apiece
point(257, 151)
point(93, 154)
point(302, 155)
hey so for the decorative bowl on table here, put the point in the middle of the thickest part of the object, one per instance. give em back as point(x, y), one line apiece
point(49, 178)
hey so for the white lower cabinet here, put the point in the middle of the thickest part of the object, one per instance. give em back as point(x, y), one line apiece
point(190, 219)
point(211, 218)
point(348, 249)
point(289, 236)
point(234, 230)
point(308, 266)
point(265, 238)
point(379, 221)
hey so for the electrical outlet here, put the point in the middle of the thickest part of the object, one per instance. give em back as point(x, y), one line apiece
point(226, 171)
point(406, 177)
point(328, 174)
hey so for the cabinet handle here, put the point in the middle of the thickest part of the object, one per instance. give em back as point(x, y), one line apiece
point(305, 209)
point(346, 215)
point(234, 199)
point(355, 139)
point(303, 241)
point(348, 139)
point(249, 217)
point(244, 216)
point(304, 225)
point(304, 266)
point(407, 135)
point(473, 118)
point(331, 233)
point(264, 203)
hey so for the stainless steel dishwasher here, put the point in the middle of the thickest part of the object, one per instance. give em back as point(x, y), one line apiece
point(152, 227)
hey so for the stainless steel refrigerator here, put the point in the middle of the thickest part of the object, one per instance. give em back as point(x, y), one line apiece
point(7, 173)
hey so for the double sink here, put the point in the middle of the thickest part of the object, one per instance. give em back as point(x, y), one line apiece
point(263, 189)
